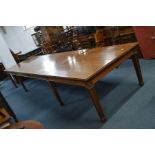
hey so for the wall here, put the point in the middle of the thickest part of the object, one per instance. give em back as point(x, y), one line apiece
point(18, 39)
point(5, 55)
point(144, 36)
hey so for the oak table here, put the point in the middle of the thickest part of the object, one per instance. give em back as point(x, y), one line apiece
point(82, 67)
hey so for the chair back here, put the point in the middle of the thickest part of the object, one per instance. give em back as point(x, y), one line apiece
point(15, 56)
point(46, 48)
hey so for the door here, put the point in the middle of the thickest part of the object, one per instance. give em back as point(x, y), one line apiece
point(146, 38)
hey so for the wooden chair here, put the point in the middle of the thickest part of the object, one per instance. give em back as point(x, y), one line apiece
point(27, 124)
point(99, 38)
point(84, 41)
point(110, 33)
point(46, 48)
point(16, 56)
point(17, 79)
point(4, 104)
point(62, 41)
point(5, 118)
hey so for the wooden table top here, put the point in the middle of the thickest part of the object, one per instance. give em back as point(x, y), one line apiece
point(79, 65)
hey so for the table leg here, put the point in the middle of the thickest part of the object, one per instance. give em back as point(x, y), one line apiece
point(137, 69)
point(55, 92)
point(22, 83)
point(96, 103)
point(13, 81)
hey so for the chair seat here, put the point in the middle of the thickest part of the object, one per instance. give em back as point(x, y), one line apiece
point(28, 124)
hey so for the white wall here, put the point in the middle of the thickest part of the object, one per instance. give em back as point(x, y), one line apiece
point(18, 39)
point(5, 55)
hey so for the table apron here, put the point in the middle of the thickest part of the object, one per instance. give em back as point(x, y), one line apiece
point(109, 68)
point(53, 79)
